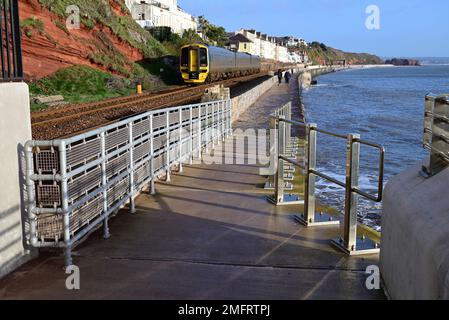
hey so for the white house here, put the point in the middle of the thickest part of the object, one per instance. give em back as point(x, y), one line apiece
point(161, 13)
point(253, 36)
point(282, 54)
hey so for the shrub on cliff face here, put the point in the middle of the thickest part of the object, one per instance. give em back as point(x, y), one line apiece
point(30, 25)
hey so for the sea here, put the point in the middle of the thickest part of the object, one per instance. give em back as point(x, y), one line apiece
point(385, 105)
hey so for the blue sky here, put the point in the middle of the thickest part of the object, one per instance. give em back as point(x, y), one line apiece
point(408, 28)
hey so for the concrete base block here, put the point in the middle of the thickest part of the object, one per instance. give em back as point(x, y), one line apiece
point(15, 131)
point(415, 236)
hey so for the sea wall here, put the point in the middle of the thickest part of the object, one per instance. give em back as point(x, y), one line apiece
point(15, 129)
point(414, 257)
point(242, 102)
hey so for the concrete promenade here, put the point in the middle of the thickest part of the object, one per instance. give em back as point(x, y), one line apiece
point(208, 234)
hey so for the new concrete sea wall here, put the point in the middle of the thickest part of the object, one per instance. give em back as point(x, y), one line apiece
point(15, 130)
point(414, 257)
point(242, 102)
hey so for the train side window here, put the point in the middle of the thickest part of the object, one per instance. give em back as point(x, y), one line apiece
point(203, 57)
point(185, 57)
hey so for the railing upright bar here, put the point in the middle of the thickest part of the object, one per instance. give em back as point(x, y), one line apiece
point(180, 137)
point(279, 185)
point(223, 121)
point(13, 39)
point(288, 116)
point(65, 204)
point(310, 178)
point(7, 44)
point(167, 149)
point(229, 113)
point(191, 128)
point(200, 136)
point(152, 168)
point(214, 118)
point(17, 45)
point(2, 53)
point(351, 198)
point(104, 183)
point(132, 204)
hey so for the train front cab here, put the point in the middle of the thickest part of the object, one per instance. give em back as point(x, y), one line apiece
point(194, 64)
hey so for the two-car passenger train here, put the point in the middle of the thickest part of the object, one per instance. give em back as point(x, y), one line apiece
point(202, 63)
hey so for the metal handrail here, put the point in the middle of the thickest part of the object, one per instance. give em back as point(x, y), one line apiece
point(96, 173)
point(348, 241)
point(381, 149)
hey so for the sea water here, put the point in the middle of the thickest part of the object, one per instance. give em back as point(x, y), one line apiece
point(384, 106)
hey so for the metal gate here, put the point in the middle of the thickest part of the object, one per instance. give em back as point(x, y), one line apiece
point(11, 68)
point(75, 184)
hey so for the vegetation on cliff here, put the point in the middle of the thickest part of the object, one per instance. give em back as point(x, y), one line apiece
point(112, 14)
point(103, 58)
point(319, 53)
point(79, 84)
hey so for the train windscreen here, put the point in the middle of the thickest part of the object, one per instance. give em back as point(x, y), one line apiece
point(185, 57)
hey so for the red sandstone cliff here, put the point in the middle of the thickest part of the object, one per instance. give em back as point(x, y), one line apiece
point(52, 48)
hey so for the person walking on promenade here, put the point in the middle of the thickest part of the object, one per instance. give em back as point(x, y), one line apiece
point(288, 76)
point(280, 76)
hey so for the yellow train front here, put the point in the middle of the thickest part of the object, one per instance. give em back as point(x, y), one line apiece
point(201, 63)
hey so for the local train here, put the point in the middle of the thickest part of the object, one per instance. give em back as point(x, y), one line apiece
point(202, 63)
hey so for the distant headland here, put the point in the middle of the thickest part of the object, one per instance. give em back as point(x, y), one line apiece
point(404, 62)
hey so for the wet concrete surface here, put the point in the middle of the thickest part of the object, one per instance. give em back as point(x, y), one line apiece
point(209, 234)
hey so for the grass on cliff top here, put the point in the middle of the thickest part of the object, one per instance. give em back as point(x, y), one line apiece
point(78, 84)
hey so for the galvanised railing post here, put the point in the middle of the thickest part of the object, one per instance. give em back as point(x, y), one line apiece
point(132, 204)
point(229, 114)
point(65, 204)
point(200, 135)
point(351, 198)
point(213, 132)
point(191, 137)
point(180, 136)
point(31, 193)
point(152, 169)
point(310, 178)
point(223, 121)
point(106, 234)
point(279, 185)
point(273, 153)
point(206, 129)
point(288, 116)
point(167, 147)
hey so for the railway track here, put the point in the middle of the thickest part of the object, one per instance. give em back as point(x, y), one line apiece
point(71, 120)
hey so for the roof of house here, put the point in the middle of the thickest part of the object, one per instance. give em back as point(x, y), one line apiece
point(239, 38)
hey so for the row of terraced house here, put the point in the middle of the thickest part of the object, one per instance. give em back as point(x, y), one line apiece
point(161, 13)
point(282, 49)
point(167, 13)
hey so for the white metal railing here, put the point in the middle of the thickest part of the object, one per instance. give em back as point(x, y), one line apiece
point(75, 184)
